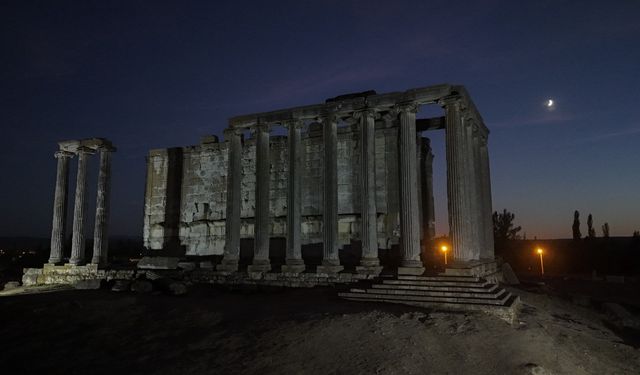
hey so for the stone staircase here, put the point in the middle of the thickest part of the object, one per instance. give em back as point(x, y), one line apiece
point(442, 292)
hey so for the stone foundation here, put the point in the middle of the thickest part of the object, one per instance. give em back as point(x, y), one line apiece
point(70, 274)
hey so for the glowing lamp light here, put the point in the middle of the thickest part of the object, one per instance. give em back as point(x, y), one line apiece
point(444, 249)
point(540, 251)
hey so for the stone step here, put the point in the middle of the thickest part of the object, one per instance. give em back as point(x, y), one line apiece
point(494, 293)
point(477, 284)
point(439, 278)
point(442, 288)
point(502, 298)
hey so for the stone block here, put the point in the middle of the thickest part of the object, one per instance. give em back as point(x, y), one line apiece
point(256, 268)
point(187, 266)
point(11, 285)
point(416, 271)
point(293, 269)
point(158, 263)
point(207, 265)
point(508, 275)
point(326, 270)
point(88, 284)
point(369, 270)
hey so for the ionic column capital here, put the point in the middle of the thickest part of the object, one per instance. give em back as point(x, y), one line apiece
point(231, 132)
point(294, 123)
point(367, 112)
point(61, 154)
point(411, 107)
point(82, 150)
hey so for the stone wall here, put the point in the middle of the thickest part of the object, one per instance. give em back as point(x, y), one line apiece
point(185, 198)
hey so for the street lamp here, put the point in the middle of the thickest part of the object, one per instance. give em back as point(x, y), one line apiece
point(444, 249)
point(540, 251)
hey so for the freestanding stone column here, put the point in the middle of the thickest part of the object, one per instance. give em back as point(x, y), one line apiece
point(426, 177)
point(330, 261)
point(473, 219)
point(457, 180)
point(60, 206)
point(369, 263)
point(261, 261)
point(409, 211)
point(79, 208)
point(488, 250)
point(294, 261)
point(232, 223)
point(100, 234)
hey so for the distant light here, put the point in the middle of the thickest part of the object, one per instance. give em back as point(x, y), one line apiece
point(444, 248)
point(550, 103)
point(539, 250)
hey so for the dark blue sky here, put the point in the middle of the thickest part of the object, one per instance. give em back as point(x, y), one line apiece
point(154, 74)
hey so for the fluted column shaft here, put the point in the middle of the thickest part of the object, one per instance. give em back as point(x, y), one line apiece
point(409, 211)
point(330, 195)
point(79, 208)
point(426, 177)
point(457, 181)
point(368, 211)
point(473, 219)
point(60, 206)
point(100, 234)
point(488, 250)
point(232, 222)
point(262, 222)
point(294, 195)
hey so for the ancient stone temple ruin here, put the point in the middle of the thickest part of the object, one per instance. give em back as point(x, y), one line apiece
point(351, 173)
point(354, 168)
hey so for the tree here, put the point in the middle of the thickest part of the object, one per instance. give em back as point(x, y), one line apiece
point(576, 226)
point(591, 232)
point(503, 227)
point(605, 230)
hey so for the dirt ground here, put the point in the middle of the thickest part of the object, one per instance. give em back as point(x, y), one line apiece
point(216, 331)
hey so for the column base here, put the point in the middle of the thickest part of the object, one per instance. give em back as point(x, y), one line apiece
point(369, 262)
point(76, 262)
point(330, 266)
point(228, 265)
point(411, 267)
point(369, 270)
point(54, 261)
point(294, 266)
point(259, 265)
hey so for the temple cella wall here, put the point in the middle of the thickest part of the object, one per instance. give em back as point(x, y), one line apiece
point(186, 190)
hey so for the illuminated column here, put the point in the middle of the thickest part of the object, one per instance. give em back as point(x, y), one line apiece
point(488, 250)
point(100, 234)
point(330, 261)
point(231, 256)
point(473, 192)
point(261, 261)
point(294, 261)
point(457, 180)
point(79, 208)
point(368, 211)
point(60, 206)
point(409, 211)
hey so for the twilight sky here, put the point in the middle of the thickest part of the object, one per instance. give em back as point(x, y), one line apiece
point(155, 74)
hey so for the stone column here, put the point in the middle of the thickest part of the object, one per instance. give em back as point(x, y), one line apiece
point(261, 261)
point(473, 189)
point(100, 234)
point(231, 255)
point(409, 211)
point(478, 192)
point(419, 150)
point(426, 176)
point(294, 261)
point(488, 250)
point(79, 208)
point(330, 261)
point(457, 180)
point(60, 206)
point(369, 263)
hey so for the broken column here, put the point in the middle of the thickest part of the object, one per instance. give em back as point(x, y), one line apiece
point(409, 211)
point(369, 263)
point(232, 223)
point(80, 208)
point(60, 206)
point(261, 261)
point(100, 234)
point(294, 261)
point(330, 261)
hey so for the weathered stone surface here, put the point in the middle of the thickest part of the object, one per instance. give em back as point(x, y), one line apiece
point(88, 284)
point(188, 266)
point(510, 277)
point(11, 285)
point(158, 263)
